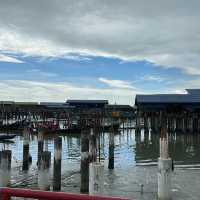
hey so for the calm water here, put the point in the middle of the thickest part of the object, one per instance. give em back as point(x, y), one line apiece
point(135, 164)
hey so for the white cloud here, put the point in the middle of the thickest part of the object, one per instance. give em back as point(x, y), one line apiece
point(117, 83)
point(22, 90)
point(153, 78)
point(38, 72)
point(162, 32)
point(10, 59)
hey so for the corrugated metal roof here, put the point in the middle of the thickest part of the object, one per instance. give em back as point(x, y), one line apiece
point(193, 96)
point(87, 101)
point(51, 103)
point(7, 102)
point(119, 106)
point(27, 103)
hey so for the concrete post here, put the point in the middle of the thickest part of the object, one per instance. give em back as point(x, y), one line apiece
point(57, 164)
point(164, 166)
point(96, 183)
point(84, 162)
point(44, 171)
point(5, 167)
point(164, 178)
point(111, 149)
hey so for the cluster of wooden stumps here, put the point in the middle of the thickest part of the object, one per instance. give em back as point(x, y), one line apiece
point(44, 163)
point(91, 167)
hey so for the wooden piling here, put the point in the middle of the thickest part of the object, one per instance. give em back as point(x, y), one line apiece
point(111, 149)
point(5, 168)
point(93, 146)
point(25, 165)
point(40, 148)
point(84, 162)
point(57, 164)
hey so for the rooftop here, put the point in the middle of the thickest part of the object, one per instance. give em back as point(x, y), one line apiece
point(192, 96)
point(87, 101)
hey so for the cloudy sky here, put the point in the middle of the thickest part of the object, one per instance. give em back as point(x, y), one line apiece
point(53, 50)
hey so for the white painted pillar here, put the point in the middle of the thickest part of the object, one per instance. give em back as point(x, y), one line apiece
point(96, 178)
point(164, 171)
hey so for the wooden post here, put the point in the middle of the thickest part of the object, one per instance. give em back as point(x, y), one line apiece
point(40, 147)
point(111, 149)
point(25, 165)
point(93, 146)
point(57, 164)
point(146, 128)
point(5, 167)
point(84, 162)
point(44, 171)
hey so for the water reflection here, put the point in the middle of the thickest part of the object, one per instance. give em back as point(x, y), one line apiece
point(130, 148)
point(183, 148)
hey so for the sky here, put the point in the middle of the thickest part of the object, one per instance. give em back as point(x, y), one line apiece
point(54, 50)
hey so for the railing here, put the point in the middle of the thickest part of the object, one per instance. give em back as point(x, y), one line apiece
point(7, 193)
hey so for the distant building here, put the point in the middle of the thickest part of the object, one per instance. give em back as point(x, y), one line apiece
point(87, 103)
point(190, 100)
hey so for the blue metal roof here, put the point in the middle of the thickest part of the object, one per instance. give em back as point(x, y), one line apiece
point(193, 96)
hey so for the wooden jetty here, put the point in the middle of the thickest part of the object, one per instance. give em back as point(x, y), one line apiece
point(67, 117)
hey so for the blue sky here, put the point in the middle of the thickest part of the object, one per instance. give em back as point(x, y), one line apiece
point(107, 50)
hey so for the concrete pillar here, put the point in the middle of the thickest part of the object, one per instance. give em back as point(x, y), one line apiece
point(111, 149)
point(96, 183)
point(25, 165)
point(164, 178)
point(5, 168)
point(84, 162)
point(57, 164)
point(44, 171)
point(164, 166)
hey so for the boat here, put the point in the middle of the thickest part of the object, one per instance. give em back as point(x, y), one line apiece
point(7, 137)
